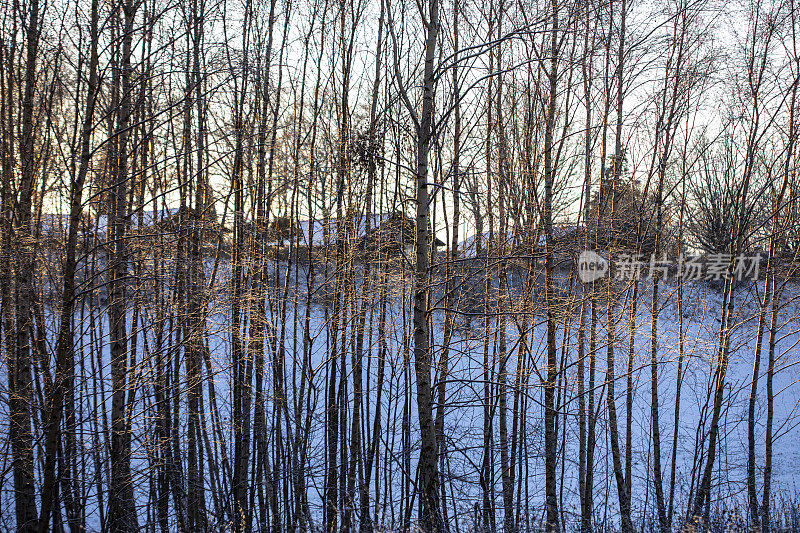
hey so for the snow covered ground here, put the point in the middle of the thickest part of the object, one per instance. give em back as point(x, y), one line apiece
point(464, 421)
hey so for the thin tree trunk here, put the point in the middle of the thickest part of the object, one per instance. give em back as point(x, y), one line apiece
point(550, 421)
point(65, 367)
point(122, 510)
point(20, 380)
point(430, 520)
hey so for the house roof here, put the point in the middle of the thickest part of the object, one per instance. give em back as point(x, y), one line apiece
point(312, 231)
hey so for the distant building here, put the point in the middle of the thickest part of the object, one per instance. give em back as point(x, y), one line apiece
point(395, 235)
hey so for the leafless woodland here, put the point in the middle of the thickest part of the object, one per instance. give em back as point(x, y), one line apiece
point(310, 265)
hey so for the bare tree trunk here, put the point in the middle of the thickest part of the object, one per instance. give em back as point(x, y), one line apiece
point(20, 380)
point(768, 438)
point(65, 365)
point(430, 519)
point(723, 343)
point(584, 491)
point(122, 509)
point(755, 514)
point(255, 344)
point(622, 486)
point(7, 278)
point(195, 282)
point(550, 421)
point(455, 172)
point(622, 478)
point(365, 456)
point(335, 479)
point(239, 385)
point(668, 133)
point(756, 63)
point(775, 294)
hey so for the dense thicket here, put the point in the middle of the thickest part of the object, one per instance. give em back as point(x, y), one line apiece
point(312, 265)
